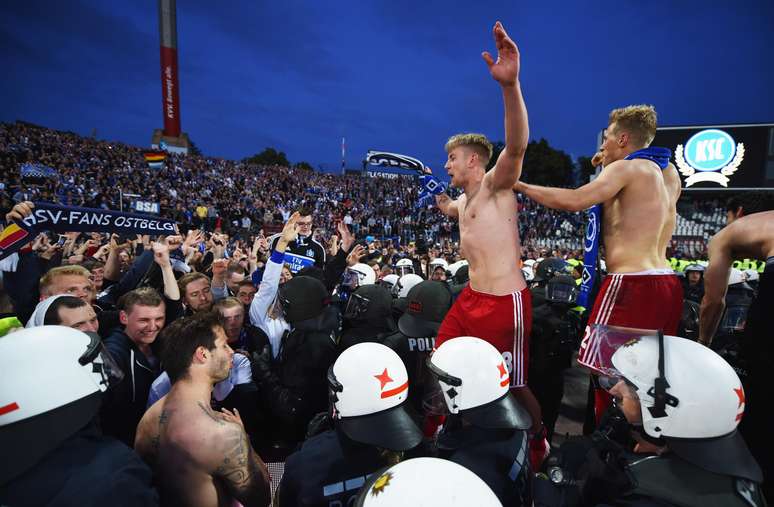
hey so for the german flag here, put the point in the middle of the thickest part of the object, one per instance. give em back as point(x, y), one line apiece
point(154, 156)
point(10, 236)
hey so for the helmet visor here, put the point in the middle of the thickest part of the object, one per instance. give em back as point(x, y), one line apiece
point(350, 279)
point(103, 366)
point(357, 306)
point(561, 292)
point(604, 341)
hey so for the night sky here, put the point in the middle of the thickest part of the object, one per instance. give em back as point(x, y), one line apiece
point(397, 76)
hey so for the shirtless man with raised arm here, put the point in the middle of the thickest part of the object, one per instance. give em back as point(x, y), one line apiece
point(496, 305)
point(639, 199)
point(200, 457)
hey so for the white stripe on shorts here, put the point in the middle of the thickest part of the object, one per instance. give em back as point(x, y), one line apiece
point(605, 310)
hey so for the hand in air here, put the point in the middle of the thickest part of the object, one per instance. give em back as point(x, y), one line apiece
point(506, 69)
point(290, 231)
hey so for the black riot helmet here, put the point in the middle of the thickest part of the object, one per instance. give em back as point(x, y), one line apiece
point(562, 289)
point(550, 267)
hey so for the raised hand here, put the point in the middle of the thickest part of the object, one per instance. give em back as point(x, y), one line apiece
point(290, 231)
point(160, 253)
point(347, 239)
point(355, 255)
point(20, 211)
point(506, 69)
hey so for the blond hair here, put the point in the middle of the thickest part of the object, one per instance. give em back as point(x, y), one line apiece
point(478, 143)
point(638, 121)
point(48, 279)
point(229, 302)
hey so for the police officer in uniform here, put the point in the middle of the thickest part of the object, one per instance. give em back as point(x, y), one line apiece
point(426, 306)
point(53, 450)
point(693, 284)
point(485, 430)
point(292, 386)
point(554, 337)
point(682, 403)
point(367, 316)
point(368, 388)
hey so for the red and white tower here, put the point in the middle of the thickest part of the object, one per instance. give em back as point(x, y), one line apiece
point(171, 136)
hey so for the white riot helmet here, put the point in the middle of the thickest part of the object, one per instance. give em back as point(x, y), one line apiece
point(389, 281)
point(406, 484)
point(405, 284)
point(404, 267)
point(455, 266)
point(358, 275)
point(530, 263)
point(688, 395)
point(47, 397)
point(438, 261)
point(735, 276)
point(528, 273)
point(368, 386)
point(475, 383)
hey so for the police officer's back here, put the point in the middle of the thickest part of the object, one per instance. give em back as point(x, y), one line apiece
point(486, 427)
point(368, 388)
point(53, 451)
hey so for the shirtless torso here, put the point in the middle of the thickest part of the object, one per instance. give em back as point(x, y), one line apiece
point(749, 237)
point(638, 221)
point(200, 457)
point(489, 236)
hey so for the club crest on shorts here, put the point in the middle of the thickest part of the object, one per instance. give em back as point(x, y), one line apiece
point(709, 155)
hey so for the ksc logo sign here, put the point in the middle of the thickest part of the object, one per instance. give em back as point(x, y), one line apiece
point(710, 155)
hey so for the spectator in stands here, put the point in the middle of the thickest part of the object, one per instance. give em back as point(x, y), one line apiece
point(142, 315)
point(196, 291)
point(65, 310)
point(245, 292)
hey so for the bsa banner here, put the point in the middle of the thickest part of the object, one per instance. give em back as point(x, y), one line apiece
point(60, 219)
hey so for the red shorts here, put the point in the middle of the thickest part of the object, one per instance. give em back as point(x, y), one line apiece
point(646, 301)
point(503, 321)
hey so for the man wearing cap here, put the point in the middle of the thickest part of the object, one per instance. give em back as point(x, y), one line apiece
point(426, 306)
point(368, 428)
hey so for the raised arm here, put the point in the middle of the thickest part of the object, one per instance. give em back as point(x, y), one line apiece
point(505, 71)
point(715, 285)
point(610, 181)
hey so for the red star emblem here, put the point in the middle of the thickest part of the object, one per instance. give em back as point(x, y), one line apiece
point(740, 393)
point(503, 371)
point(384, 378)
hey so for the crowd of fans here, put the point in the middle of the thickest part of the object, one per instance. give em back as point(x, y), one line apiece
point(239, 198)
point(375, 269)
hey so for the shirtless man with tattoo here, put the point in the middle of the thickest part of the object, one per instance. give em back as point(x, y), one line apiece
point(200, 457)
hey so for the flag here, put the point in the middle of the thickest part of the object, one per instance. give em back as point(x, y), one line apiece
point(155, 159)
point(384, 158)
point(343, 152)
point(12, 235)
point(35, 170)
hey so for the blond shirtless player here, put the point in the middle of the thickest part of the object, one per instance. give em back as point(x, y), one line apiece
point(496, 305)
point(639, 201)
point(200, 457)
